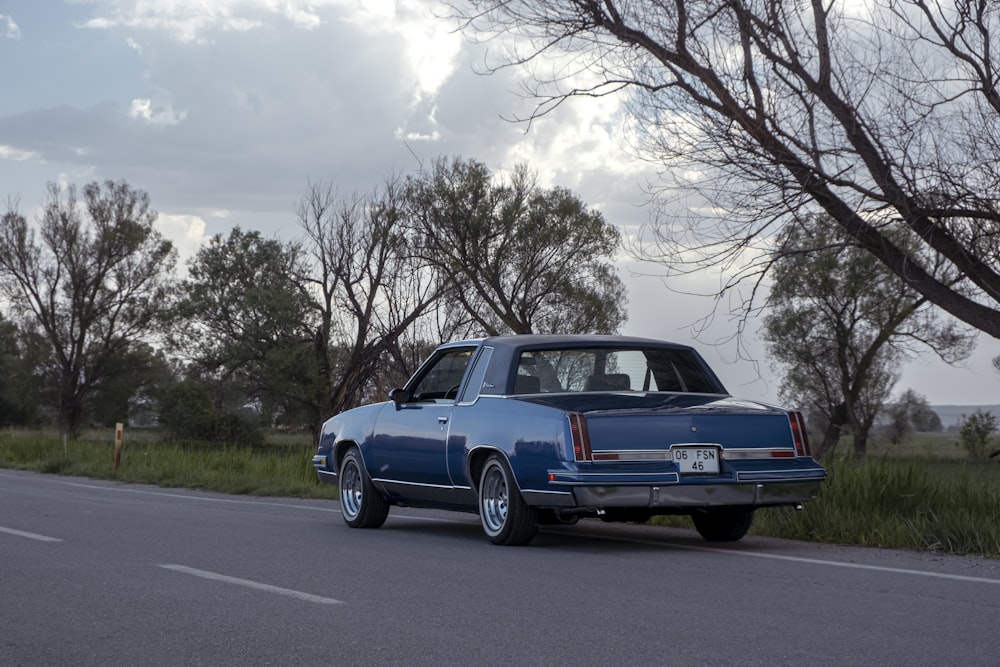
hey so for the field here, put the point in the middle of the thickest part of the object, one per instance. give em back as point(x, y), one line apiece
point(924, 494)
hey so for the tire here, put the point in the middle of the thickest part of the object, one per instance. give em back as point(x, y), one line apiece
point(361, 505)
point(506, 518)
point(723, 524)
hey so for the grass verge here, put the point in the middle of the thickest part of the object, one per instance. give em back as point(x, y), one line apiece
point(951, 507)
point(938, 505)
point(943, 506)
point(273, 470)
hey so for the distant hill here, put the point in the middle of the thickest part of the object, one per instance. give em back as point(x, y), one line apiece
point(951, 415)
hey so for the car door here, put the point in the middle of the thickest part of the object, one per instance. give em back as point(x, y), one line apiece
point(409, 445)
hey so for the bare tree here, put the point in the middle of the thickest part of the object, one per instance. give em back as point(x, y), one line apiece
point(371, 287)
point(96, 280)
point(877, 114)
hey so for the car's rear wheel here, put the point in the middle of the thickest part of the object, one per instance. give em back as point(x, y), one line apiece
point(506, 518)
point(723, 524)
point(361, 505)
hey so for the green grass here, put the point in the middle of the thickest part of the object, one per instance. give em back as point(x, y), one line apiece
point(922, 495)
point(948, 507)
point(271, 470)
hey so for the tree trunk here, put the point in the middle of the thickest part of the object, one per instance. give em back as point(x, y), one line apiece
point(834, 429)
point(860, 445)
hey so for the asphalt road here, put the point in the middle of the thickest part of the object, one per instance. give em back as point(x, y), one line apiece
point(98, 573)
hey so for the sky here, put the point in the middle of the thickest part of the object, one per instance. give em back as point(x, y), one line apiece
point(225, 111)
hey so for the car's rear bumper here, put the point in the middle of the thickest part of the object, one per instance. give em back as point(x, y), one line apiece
point(701, 495)
point(665, 491)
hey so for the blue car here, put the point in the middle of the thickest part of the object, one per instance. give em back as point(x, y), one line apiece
point(537, 429)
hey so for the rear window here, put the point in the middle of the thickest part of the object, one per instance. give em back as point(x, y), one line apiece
point(609, 369)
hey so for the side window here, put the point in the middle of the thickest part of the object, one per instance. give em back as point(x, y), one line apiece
point(477, 375)
point(442, 379)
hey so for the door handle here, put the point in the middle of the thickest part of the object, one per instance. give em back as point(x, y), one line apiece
point(442, 420)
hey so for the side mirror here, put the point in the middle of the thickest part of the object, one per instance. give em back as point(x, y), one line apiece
point(399, 396)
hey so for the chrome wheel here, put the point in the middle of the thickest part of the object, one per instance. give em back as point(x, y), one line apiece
point(351, 491)
point(506, 518)
point(360, 502)
point(494, 500)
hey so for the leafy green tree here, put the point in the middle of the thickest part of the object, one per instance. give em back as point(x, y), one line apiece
point(922, 417)
point(878, 116)
point(95, 278)
point(245, 320)
point(128, 392)
point(899, 426)
point(910, 413)
point(976, 431)
point(22, 382)
point(839, 324)
point(521, 259)
point(187, 411)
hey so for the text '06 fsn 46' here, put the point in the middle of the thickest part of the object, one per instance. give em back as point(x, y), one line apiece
point(532, 429)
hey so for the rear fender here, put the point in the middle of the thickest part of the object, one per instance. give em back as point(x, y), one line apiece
point(477, 461)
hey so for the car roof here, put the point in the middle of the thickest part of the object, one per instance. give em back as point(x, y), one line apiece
point(574, 340)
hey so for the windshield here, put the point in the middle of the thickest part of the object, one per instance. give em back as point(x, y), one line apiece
point(610, 369)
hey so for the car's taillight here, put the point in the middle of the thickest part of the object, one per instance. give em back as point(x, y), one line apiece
point(581, 439)
point(798, 424)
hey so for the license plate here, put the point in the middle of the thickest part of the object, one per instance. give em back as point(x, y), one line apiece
point(697, 459)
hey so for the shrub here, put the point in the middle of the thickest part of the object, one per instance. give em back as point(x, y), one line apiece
point(187, 412)
point(975, 433)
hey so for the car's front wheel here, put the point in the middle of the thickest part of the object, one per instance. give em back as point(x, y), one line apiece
point(506, 518)
point(361, 505)
point(723, 524)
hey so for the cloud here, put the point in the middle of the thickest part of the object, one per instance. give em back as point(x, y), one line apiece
point(186, 232)
point(241, 102)
point(14, 154)
point(142, 109)
point(196, 21)
point(8, 28)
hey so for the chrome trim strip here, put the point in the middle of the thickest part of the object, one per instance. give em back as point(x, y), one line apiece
point(382, 480)
point(779, 475)
point(547, 491)
point(748, 453)
point(633, 455)
point(581, 477)
point(741, 454)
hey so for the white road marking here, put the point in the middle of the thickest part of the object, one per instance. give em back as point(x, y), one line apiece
point(299, 595)
point(245, 501)
point(855, 566)
point(31, 536)
point(238, 501)
point(811, 561)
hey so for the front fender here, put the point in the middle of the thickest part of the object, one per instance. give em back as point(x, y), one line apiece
point(351, 428)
